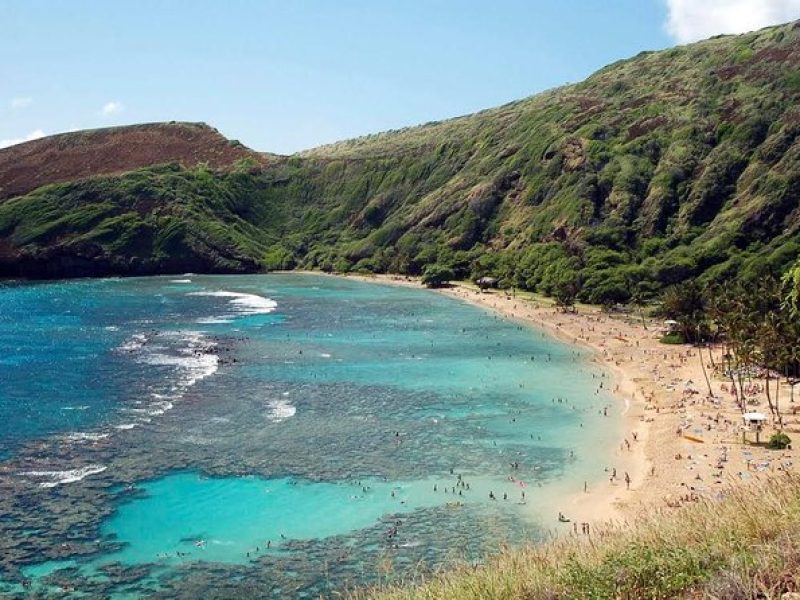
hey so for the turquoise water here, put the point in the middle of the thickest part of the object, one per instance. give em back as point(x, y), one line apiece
point(248, 513)
point(169, 428)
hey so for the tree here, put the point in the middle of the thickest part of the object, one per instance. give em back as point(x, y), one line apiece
point(766, 312)
point(685, 304)
point(792, 281)
point(725, 310)
point(436, 275)
point(703, 366)
point(565, 293)
point(638, 301)
point(791, 305)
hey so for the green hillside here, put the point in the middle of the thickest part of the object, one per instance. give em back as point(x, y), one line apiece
point(671, 165)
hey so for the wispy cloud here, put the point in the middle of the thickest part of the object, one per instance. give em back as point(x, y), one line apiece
point(33, 135)
point(20, 102)
point(692, 20)
point(112, 108)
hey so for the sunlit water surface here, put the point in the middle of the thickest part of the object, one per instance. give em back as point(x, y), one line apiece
point(278, 434)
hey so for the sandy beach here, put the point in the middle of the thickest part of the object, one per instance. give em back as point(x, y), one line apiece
point(679, 441)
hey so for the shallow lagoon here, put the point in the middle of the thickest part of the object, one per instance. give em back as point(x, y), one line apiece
point(229, 411)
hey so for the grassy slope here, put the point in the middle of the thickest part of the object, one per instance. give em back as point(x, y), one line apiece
point(746, 546)
point(670, 165)
point(666, 166)
point(160, 219)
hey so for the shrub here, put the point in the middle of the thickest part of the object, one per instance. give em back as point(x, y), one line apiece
point(672, 338)
point(779, 441)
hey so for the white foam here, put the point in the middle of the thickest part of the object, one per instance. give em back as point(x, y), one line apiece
point(245, 304)
point(156, 409)
point(133, 343)
point(191, 358)
point(194, 359)
point(280, 410)
point(213, 320)
point(159, 408)
point(196, 367)
point(60, 477)
point(180, 281)
point(84, 407)
point(80, 436)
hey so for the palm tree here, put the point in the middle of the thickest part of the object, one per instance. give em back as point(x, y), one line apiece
point(791, 311)
point(741, 326)
point(637, 299)
point(792, 357)
point(715, 300)
point(705, 373)
point(792, 281)
point(686, 304)
point(771, 335)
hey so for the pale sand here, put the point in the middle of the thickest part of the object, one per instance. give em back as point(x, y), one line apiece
point(666, 468)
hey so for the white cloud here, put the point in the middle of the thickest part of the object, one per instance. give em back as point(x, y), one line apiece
point(112, 108)
point(20, 102)
point(692, 20)
point(33, 135)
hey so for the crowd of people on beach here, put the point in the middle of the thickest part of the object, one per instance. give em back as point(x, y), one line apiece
point(708, 453)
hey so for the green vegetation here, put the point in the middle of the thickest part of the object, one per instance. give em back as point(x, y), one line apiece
point(779, 441)
point(674, 175)
point(671, 166)
point(754, 322)
point(436, 276)
point(744, 546)
point(672, 338)
point(160, 219)
point(792, 279)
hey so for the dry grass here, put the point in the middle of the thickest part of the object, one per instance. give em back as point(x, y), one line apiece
point(746, 545)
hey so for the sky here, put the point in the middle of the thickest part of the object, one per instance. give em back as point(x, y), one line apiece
point(282, 76)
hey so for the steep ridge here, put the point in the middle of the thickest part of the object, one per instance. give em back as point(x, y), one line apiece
point(671, 165)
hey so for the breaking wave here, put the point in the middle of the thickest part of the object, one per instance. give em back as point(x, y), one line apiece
point(240, 304)
point(55, 478)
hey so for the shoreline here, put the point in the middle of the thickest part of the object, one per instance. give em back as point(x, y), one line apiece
point(688, 443)
point(665, 396)
point(598, 506)
point(601, 505)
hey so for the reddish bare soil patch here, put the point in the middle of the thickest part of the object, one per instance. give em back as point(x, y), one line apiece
point(70, 156)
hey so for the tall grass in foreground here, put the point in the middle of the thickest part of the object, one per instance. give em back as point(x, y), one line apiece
point(746, 545)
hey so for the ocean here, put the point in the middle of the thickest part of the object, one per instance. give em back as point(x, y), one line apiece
point(279, 435)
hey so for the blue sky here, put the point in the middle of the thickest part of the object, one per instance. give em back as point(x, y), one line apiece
point(284, 76)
